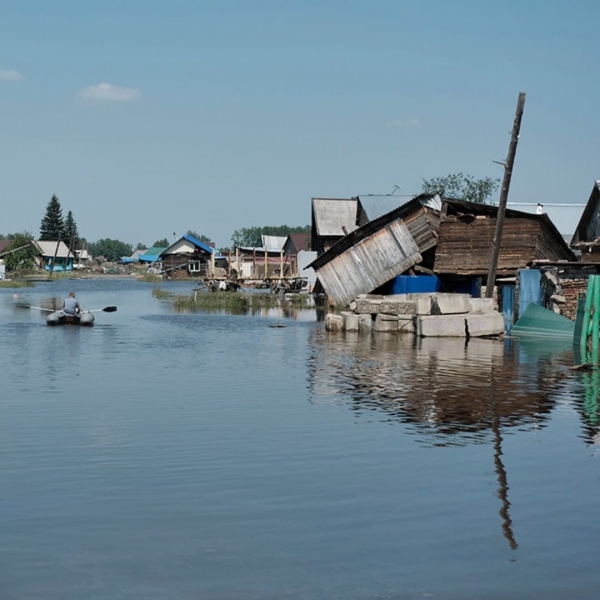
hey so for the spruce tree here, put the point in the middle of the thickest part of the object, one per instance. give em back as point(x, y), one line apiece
point(70, 234)
point(52, 227)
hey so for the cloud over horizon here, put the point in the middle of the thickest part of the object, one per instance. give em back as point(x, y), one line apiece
point(107, 92)
point(10, 75)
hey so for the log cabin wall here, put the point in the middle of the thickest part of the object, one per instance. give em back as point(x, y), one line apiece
point(465, 241)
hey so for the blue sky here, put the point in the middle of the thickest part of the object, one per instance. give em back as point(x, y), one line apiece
point(148, 118)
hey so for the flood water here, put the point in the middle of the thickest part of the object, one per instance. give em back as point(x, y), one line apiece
point(167, 456)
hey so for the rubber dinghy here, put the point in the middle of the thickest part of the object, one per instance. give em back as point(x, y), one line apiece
point(59, 317)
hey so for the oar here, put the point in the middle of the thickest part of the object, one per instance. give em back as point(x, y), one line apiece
point(38, 308)
point(105, 309)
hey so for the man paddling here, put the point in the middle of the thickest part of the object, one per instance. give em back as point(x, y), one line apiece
point(71, 305)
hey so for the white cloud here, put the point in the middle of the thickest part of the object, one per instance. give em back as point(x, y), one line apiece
point(406, 123)
point(10, 75)
point(109, 93)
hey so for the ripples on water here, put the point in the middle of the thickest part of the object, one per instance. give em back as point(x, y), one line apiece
point(161, 455)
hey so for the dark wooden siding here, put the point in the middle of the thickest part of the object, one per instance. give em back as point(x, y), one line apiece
point(464, 245)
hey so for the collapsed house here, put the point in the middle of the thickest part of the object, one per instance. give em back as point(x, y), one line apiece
point(443, 242)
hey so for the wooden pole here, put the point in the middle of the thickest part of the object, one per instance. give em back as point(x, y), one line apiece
point(508, 167)
point(54, 259)
point(281, 264)
point(265, 262)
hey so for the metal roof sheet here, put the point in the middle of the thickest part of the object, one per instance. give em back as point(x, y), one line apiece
point(332, 214)
point(378, 205)
point(48, 248)
point(273, 243)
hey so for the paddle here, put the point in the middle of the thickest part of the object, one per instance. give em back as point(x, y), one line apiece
point(105, 309)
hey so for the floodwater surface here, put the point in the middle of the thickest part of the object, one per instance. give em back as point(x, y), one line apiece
point(167, 456)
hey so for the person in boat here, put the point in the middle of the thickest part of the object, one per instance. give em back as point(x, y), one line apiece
point(71, 305)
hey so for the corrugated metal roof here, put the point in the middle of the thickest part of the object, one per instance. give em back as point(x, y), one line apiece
point(378, 205)
point(564, 216)
point(48, 248)
point(332, 214)
point(273, 243)
point(192, 240)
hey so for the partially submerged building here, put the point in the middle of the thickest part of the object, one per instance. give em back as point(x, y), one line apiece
point(449, 240)
point(332, 219)
point(586, 238)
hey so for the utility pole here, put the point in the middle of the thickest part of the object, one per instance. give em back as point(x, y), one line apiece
point(508, 167)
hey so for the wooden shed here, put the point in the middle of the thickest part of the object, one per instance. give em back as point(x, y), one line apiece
point(466, 232)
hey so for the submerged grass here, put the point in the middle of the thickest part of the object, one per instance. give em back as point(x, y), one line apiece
point(150, 278)
point(237, 302)
point(160, 293)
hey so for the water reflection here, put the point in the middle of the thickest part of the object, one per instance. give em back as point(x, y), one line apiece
point(448, 389)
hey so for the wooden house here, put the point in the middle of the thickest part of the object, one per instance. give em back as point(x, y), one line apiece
point(466, 232)
point(586, 238)
point(187, 257)
point(52, 256)
point(332, 219)
point(380, 250)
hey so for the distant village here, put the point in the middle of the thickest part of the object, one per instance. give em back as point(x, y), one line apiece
point(371, 247)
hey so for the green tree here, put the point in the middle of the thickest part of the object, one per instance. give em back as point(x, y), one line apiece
point(199, 237)
point(164, 243)
point(52, 226)
point(141, 246)
point(70, 233)
point(111, 250)
point(23, 258)
point(251, 236)
point(461, 187)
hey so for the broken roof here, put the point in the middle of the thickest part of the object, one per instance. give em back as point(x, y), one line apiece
point(331, 215)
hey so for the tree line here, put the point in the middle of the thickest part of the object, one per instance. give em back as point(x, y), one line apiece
point(55, 227)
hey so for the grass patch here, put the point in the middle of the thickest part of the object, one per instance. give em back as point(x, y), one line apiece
point(160, 293)
point(16, 284)
point(238, 303)
point(150, 278)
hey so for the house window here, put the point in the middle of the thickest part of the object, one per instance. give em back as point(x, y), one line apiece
point(194, 266)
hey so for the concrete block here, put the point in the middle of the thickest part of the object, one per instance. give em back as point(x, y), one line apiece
point(481, 306)
point(334, 322)
point(422, 302)
point(398, 307)
point(368, 306)
point(365, 323)
point(441, 326)
point(485, 325)
point(450, 304)
point(353, 306)
point(350, 321)
point(385, 323)
point(406, 324)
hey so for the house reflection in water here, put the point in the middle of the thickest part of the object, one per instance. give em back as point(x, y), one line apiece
point(448, 391)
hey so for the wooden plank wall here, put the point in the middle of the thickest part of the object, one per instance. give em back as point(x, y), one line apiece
point(370, 263)
point(464, 245)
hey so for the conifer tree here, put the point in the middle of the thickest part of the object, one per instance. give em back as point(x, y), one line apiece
point(52, 227)
point(70, 235)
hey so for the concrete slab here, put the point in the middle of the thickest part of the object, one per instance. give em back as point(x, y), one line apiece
point(398, 307)
point(450, 304)
point(481, 306)
point(485, 325)
point(365, 323)
point(385, 323)
point(423, 303)
point(368, 306)
point(350, 321)
point(441, 326)
point(334, 322)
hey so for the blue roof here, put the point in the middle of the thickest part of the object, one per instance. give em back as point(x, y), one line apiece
point(198, 243)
